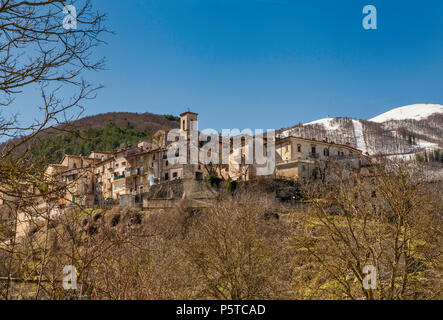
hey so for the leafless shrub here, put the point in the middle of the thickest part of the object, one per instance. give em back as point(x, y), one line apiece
point(387, 220)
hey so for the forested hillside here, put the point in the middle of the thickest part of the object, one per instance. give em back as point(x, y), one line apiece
point(109, 138)
point(143, 121)
point(102, 132)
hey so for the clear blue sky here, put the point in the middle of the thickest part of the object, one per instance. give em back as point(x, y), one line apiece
point(267, 63)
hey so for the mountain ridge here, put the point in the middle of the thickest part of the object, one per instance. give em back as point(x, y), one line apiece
point(402, 130)
point(411, 112)
point(406, 129)
point(148, 122)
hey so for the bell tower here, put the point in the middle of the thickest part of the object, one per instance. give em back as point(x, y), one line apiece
point(185, 120)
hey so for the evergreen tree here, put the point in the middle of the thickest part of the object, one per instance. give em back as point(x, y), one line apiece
point(109, 138)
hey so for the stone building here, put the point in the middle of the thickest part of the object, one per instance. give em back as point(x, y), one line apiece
point(127, 175)
point(147, 176)
point(103, 171)
point(299, 158)
point(77, 175)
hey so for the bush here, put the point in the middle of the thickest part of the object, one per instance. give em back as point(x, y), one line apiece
point(213, 181)
point(231, 185)
point(115, 220)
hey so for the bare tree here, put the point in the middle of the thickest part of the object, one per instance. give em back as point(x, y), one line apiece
point(238, 250)
point(388, 220)
point(37, 51)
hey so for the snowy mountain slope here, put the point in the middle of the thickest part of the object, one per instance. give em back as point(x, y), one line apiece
point(403, 130)
point(359, 136)
point(326, 122)
point(411, 112)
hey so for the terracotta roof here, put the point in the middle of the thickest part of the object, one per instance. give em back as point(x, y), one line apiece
point(188, 112)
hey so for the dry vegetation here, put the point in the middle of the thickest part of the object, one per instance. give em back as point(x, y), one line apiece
point(246, 246)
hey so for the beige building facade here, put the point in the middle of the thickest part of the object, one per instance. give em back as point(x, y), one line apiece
point(127, 176)
point(299, 158)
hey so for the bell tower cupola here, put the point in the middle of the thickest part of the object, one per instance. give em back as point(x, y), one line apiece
point(186, 118)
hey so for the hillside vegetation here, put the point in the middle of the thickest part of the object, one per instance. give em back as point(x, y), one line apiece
point(143, 121)
point(248, 244)
point(108, 138)
point(71, 138)
point(390, 137)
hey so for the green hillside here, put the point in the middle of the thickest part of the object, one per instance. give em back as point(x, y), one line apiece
point(109, 138)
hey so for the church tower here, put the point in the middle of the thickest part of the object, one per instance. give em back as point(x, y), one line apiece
point(185, 120)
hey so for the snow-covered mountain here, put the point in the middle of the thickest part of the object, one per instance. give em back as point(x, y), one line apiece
point(406, 129)
point(411, 112)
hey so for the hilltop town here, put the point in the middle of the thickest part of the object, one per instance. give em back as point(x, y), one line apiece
point(100, 199)
point(147, 177)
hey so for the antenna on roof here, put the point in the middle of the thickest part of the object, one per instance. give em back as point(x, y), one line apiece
point(188, 109)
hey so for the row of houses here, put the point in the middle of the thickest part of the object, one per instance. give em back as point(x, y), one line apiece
point(147, 176)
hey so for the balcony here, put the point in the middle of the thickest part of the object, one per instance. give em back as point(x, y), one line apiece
point(117, 177)
point(314, 155)
point(131, 152)
point(349, 156)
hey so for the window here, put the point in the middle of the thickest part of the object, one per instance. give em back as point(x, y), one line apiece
point(166, 163)
point(299, 148)
point(326, 152)
point(123, 163)
point(167, 176)
point(174, 175)
point(287, 148)
point(303, 168)
point(75, 165)
point(183, 124)
point(198, 176)
point(313, 150)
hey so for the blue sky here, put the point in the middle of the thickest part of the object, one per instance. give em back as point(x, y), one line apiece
point(267, 63)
